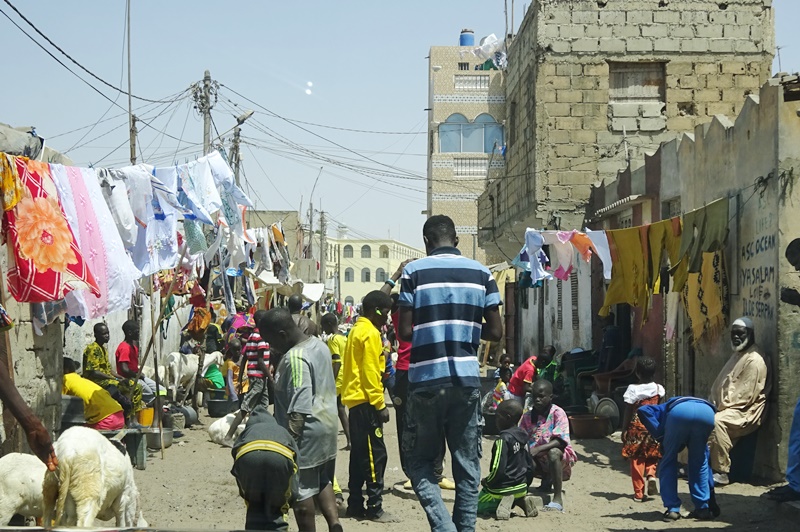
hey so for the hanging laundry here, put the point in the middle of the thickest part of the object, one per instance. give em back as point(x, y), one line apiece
point(704, 297)
point(581, 243)
point(116, 195)
point(705, 230)
point(564, 253)
point(601, 248)
point(193, 230)
point(533, 243)
point(671, 326)
point(663, 236)
point(13, 189)
point(630, 270)
point(197, 182)
point(231, 196)
point(96, 234)
point(44, 260)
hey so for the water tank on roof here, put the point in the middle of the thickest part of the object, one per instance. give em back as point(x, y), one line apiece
point(467, 38)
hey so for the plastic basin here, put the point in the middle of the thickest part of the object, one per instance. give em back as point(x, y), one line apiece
point(589, 426)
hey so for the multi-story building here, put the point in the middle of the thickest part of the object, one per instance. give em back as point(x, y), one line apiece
point(355, 267)
point(591, 85)
point(466, 107)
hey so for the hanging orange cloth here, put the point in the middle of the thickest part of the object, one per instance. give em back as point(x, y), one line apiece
point(630, 271)
point(582, 245)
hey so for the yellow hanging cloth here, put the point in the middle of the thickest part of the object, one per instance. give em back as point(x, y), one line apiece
point(630, 270)
point(704, 297)
point(665, 236)
point(13, 188)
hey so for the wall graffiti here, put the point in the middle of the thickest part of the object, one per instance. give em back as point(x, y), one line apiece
point(758, 273)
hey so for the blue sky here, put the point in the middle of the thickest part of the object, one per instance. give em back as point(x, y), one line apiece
point(365, 61)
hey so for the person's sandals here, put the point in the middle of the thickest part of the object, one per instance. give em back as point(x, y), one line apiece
point(639, 499)
point(652, 486)
point(447, 484)
point(529, 505)
point(782, 494)
point(553, 507)
point(671, 516)
point(503, 512)
point(721, 479)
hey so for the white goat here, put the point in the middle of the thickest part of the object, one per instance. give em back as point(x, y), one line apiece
point(219, 429)
point(182, 369)
point(21, 477)
point(94, 480)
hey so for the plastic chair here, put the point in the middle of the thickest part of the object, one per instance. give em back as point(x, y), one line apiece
point(624, 372)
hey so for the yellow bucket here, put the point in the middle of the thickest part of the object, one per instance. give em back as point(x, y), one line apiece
point(145, 416)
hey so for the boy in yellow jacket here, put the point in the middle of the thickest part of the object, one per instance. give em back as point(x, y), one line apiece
point(362, 392)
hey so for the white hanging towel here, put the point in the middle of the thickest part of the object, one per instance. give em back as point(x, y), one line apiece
point(534, 242)
point(99, 241)
point(600, 243)
point(564, 254)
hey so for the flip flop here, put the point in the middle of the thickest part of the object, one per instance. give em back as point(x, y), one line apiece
point(553, 507)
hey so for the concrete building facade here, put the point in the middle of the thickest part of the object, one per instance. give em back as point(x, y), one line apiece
point(355, 267)
point(465, 138)
point(753, 163)
point(591, 85)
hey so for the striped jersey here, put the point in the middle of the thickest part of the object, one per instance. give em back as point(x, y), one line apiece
point(448, 295)
point(252, 349)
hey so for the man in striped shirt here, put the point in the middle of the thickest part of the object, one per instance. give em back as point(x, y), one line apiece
point(256, 353)
point(444, 300)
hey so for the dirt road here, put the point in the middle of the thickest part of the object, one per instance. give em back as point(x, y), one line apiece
point(193, 489)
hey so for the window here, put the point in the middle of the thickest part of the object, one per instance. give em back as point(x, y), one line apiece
point(636, 82)
point(512, 123)
point(472, 82)
point(560, 305)
point(470, 166)
point(384, 252)
point(347, 252)
point(380, 275)
point(365, 275)
point(366, 252)
point(348, 275)
point(463, 66)
point(573, 287)
point(459, 135)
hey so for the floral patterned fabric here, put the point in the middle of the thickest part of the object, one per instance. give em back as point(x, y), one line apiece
point(542, 429)
point(45, 260)
point(637, 442)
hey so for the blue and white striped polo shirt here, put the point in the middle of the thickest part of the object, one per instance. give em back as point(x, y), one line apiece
point(448, 295)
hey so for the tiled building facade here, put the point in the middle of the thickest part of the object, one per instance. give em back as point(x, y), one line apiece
point(465, 138)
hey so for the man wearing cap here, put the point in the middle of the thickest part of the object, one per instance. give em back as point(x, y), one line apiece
point(740, 394)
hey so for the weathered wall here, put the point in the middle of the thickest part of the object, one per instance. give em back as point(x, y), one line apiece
point(36, 365)
point(570, 130)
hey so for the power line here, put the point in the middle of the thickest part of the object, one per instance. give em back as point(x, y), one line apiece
point(65, 54)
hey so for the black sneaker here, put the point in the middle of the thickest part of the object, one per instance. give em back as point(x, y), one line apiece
point(354, 513)
point(703, 514)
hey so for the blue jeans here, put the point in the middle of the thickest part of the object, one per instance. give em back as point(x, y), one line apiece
point(793, 466)
point(434, 416)
point(688, 424)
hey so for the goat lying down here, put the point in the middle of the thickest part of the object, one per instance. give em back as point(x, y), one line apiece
point(94, 480)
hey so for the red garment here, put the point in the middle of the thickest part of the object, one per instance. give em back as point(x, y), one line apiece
point(127, 353)
point(524, 373)
point(44, 261)
point(403, 347)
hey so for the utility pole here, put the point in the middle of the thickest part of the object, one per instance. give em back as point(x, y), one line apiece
point(323, 248)
point(203, 94)
point(131, 118)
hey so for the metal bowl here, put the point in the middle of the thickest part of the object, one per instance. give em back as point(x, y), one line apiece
point(153, 437)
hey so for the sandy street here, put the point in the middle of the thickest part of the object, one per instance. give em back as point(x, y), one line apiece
point(192, 489)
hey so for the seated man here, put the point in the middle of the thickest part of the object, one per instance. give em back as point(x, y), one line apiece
point(547, 427)
point(99, 409)
point(739, 394)
point(521, 381)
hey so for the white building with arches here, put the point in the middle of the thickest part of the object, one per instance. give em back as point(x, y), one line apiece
point(466, 137)
point(357, 267)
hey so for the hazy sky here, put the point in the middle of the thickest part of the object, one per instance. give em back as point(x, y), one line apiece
point(362, 61)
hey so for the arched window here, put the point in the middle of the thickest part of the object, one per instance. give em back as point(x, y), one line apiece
point(450, 133)
point(380, 275)
point(366, 252)
point(347, 252)
point(459, 135)
point(384, 252)
point(349, 300)
point(349, 275)
point(365, 275)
